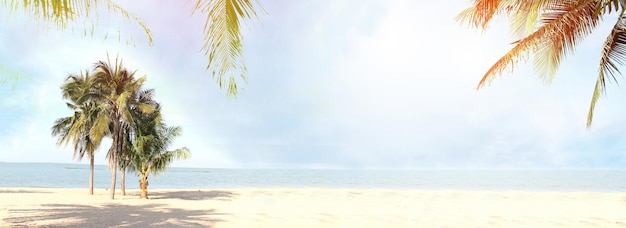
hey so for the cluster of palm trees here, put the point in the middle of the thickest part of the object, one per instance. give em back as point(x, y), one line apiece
point(110, 102)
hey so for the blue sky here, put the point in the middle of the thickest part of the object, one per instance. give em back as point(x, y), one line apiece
point(332, 84)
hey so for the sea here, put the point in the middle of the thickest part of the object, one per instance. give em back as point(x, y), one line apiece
point(56, 175)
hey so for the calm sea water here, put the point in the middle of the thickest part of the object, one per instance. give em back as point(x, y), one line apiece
point(77, 176)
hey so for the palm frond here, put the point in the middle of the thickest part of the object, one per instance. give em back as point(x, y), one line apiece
point(613, 54)
point(128, 16)
point(480, 13)
point(9, 76)
point(575, 20)
point(100, 127)
point(580, 20)
point(523, 21)
point(67, 14)
point(223, 40)
point(60, 129)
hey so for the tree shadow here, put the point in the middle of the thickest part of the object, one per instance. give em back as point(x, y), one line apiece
point(112, 215)
point(193, 195)
point(20, 191)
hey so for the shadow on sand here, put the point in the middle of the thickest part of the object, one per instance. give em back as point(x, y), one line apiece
point(20, 191)
point(115, 215)
point(192, 195)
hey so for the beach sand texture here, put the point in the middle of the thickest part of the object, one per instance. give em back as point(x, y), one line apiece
point(305, 207)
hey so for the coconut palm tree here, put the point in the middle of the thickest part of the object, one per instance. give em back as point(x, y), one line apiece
point(124, 161)
point(551, 29)
point(151, 141)
point(116, 88)
point(79, 128)
point(222, 35)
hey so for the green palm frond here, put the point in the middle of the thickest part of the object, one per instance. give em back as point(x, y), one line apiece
point(182, 153)
point(9, 76)
point(223, 41)
point(67, 14)
point(613, 54)
point(100, 127)
point(61, 128)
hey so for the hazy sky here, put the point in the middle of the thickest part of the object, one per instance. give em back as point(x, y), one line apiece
point(332, 84)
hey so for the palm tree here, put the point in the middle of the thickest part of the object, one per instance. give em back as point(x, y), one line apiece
point(551, 29)
point(222, 36)
point(124, 161)
point(150, 143)
point(79, 128)
point(117, 87)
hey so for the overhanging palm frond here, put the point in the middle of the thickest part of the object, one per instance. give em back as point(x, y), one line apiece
point(481, 12)
point(524, 19)
point(63, 13)
point(223, 41)
point(573, 21)
point(8, 76)
point(551, 40)
point(613, 54)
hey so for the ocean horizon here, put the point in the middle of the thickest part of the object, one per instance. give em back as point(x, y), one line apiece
point(75, 175)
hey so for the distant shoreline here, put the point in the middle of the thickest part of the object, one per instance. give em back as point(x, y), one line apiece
point(55, 175)
point(83, 163)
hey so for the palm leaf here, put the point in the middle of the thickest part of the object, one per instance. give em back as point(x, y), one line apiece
point(524, 20)
point(613, 54)
point(9, 76)
point(62, 14)
point(574, 21)
point(223, 41)
point(550, 40)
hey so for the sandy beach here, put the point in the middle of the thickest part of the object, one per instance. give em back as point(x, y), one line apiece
point(300, 207)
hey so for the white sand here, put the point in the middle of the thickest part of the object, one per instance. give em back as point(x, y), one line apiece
point(280, 207)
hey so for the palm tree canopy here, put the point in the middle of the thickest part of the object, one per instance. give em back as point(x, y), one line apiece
point(79, 128)
point(152, 139)
point(116, 87)
point(551, 29)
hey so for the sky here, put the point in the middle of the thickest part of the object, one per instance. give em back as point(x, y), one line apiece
point(333, 84)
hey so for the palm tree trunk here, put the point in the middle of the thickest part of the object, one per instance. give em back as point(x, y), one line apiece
point(117, 130)
point(123, 181)
point(143, 185)
point(113, 178)
point(91, 175)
